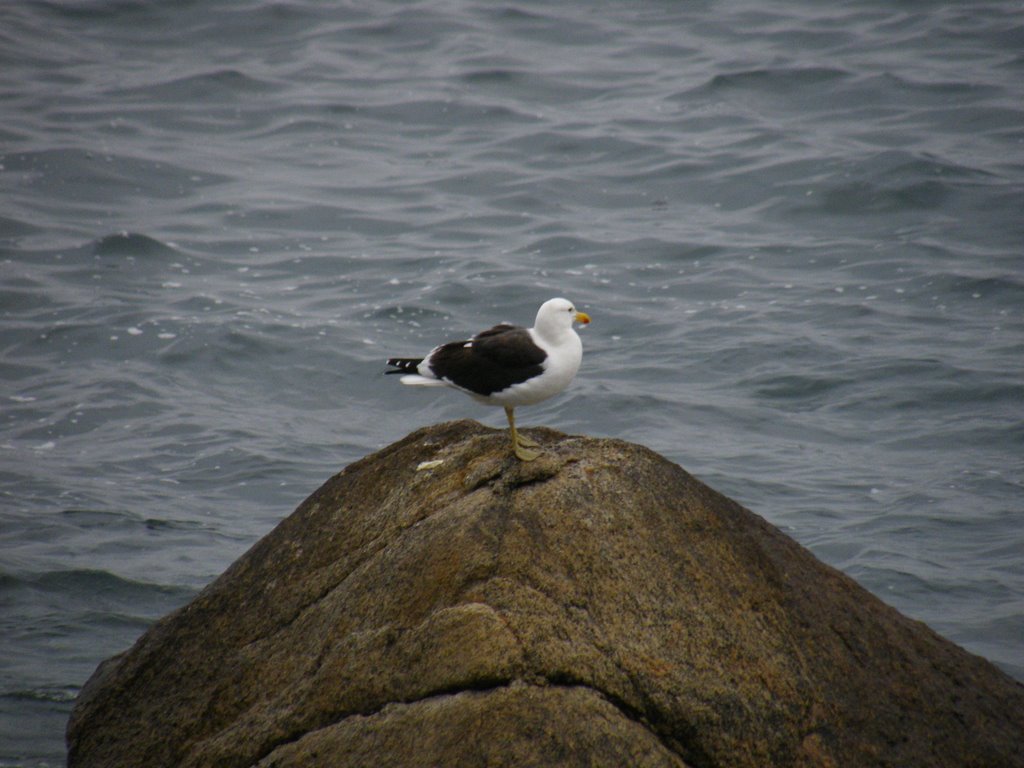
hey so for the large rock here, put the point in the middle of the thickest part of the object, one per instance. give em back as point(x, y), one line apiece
point(596, 607)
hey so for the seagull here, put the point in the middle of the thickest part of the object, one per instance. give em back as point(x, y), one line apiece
point(506, 365)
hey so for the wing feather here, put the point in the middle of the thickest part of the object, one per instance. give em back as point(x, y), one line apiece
point(491, 361)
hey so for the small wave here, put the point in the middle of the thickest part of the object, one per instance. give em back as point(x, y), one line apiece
point(49, 695)
point(24, 295)
point(562, 245)
point(219, 86)
point(96, 12)
point(508, 13)
point(226, 348)
point(88, 519)
point(95, 584)
point(440, 114)
point(775, 78)
point(1006, 287)
point(69, 172)
point(131, 244)
point(499, 75)
point(798, 388)
point(863, 197)
point(12, 229)
point(942, 91)
point(893, 182)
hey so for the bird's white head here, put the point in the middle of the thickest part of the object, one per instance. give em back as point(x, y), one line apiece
point(556, 316)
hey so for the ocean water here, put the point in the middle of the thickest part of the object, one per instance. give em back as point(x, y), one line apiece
point(799, 230)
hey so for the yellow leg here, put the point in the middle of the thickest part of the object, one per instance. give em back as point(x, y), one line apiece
point(518, 443)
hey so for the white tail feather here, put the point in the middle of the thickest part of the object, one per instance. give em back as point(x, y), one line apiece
point(415, 380)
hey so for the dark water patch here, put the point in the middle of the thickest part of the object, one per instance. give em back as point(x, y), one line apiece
point(495, 76)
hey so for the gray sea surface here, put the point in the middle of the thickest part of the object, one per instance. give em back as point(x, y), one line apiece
point(798, 228)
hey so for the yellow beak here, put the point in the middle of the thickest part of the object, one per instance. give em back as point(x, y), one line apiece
point(582, 318)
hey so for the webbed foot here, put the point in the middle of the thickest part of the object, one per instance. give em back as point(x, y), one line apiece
point(525, 454)
point(527, 441)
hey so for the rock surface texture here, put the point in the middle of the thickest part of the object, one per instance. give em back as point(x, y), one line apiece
point(596, 607)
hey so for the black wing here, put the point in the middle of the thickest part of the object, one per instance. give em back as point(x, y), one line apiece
point(491, 361)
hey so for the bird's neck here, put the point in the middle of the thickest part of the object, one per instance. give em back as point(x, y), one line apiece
point(555, 336)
